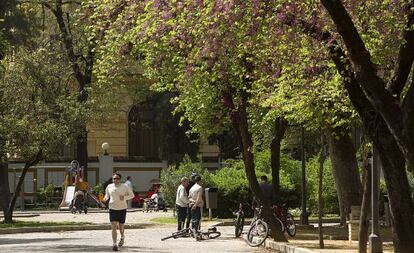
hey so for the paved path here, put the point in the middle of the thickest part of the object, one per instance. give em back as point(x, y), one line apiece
point(137, 240)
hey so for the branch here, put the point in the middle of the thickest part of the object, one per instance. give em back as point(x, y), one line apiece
point(383, 101)
point(408, 109)
point(365, 70)
point(405, 56)
point(36, 159)
point(341, 61)
point(67, 41)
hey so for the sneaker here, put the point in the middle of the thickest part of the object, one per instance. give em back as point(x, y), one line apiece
point(115, 247)
point(121, 242)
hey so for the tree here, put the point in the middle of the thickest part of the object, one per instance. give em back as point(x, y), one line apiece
point(385, 138)
point(81, 57)
point(222, 54)
point(38, 109)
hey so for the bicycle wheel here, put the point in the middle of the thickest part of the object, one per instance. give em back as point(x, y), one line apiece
point(238, 225)
point(258, 233)
point(290, 225)
point(175, 235)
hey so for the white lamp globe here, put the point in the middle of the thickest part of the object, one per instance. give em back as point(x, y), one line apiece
point(105, 147)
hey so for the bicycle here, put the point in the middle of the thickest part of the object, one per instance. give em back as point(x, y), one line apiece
point(259, 230)
point(239, 221)
point(287, 223)
point(211, 233)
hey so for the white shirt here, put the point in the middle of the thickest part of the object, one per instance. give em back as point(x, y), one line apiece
point(196, 195)
point(181, 199)
point(128, 183)
point(154, 197)
point(113, 193)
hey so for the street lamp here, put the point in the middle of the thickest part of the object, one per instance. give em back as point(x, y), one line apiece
point(375, 238)
point(105, 147)
point(304, 215)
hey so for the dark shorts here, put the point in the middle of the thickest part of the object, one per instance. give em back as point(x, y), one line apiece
point(117, 215)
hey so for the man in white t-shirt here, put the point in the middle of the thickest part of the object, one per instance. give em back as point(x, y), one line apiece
point(117, 194)
point(196, 202)
point(181, 202)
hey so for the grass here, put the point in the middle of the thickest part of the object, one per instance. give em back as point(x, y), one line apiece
point(173, 220)
point(165, 220)
point(19, 224)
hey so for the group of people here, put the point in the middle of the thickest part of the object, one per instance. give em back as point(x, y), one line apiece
point(189, 202)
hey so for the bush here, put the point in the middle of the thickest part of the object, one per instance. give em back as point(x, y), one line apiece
point(329, 194)
point(232, 183)
point(233, 188)
point(98, 189)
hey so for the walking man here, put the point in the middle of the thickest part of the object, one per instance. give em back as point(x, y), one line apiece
point(196, 203)
point(181, 201)
point(117, 194)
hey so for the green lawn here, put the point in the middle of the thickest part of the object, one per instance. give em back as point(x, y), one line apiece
point(18, 224)
point(173, 220)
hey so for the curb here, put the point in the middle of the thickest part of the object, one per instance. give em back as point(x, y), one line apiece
point(285, 248)
point(67, 228)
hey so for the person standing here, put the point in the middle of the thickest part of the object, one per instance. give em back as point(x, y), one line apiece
point(129, 184)
point(190, 184)
point(117, 194)
point(181, 202)
point(196, 203)
point(266, 189)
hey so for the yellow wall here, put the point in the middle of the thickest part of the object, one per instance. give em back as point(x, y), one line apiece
point(114, 131)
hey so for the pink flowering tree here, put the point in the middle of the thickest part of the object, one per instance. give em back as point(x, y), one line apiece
point(241, 64)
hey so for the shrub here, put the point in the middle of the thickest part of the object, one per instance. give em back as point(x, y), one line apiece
point(329, 193)
point(233, 187)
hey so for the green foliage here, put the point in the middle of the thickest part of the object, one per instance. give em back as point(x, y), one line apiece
point(98, 189)
point(233, 188)
point(39, 109)
point(411, 182)
point(329, 193)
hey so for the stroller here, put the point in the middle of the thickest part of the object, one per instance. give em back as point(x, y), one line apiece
point(154, 204)
point(79, 202)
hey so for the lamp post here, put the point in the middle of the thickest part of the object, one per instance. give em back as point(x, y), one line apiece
point(105, 147)
point(375, 238)
point(304, 215)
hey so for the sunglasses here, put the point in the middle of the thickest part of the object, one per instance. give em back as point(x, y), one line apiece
point(115, 178)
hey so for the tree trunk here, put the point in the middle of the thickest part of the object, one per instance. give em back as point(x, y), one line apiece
point(248, 158)
point(321, 160)
point(82, 151)
point(18, 189)
point(16, 193)
point(365, 207)
point(84, 78)
point(278, 133)
point(5, 191)
point(345, 170)
point(393, 165)
point(392, 157)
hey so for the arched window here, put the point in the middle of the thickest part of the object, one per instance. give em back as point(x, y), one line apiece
point(143, 133)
